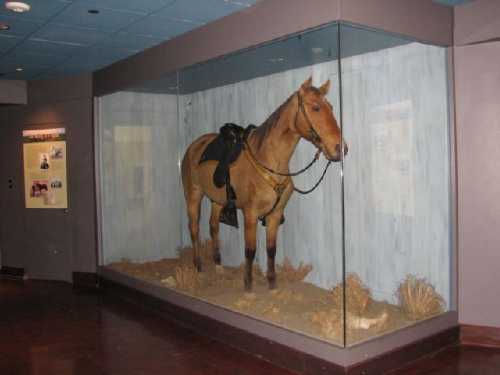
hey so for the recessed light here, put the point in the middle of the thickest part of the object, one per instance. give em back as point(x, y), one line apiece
point(4, 27)
point(17, 6)
point(93, 11)
point(19, 69)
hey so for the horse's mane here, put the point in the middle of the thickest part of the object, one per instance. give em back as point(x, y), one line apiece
point(263, 130)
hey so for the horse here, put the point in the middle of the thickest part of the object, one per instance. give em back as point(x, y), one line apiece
point(260, 176)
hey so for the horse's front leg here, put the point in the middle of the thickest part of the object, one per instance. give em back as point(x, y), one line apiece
point(272, 225)
point(250, 246)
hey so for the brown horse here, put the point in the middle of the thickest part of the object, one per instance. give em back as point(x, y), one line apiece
point(260, 192)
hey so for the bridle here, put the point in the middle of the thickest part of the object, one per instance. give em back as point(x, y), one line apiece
point(314, 136)
point(278, 187)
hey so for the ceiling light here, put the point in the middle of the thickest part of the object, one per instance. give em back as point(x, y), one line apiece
point(93, 11)
point(19, 69)
point(17, 6)
point(4, 27)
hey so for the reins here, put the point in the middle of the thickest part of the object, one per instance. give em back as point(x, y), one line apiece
point(299, 172)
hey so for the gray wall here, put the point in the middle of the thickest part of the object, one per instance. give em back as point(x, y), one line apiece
point(477, 79)
point(50, 244)
point(13, 92)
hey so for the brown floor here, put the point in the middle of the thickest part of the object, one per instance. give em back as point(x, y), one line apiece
point(47, 329)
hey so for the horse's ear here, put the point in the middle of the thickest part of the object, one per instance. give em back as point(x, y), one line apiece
point(325, 88)
point(307, 83)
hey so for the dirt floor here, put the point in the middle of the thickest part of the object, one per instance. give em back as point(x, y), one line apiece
point(295, 304)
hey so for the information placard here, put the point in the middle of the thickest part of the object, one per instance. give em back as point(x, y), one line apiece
point(45, 180)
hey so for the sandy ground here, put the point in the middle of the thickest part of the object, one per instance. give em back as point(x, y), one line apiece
point(295, 304)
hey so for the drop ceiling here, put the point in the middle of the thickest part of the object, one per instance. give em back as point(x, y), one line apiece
point(61, 37)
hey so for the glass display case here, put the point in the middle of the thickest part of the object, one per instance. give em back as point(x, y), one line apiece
point(368, 252)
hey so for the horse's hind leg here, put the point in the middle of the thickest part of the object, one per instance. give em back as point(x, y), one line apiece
point(214, 231)
point(193, 201)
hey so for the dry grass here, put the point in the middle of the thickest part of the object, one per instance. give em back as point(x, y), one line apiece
point(358, 296)
point(187, 278)
point(330, 323)
point(206, 254)
point(418, 299)
point(289, 274)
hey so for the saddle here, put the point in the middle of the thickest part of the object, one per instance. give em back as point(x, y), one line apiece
point(225, 149)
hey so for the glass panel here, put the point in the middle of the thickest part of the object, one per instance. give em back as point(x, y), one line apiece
point(140, 186)
point(144, 135)
point(373, 237)
point(246, 89)
point(396, 182)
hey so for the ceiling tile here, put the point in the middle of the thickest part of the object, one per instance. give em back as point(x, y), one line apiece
point(19, 27)
point(129, 41)
point(199, 11)
point(7, 42)
point(95, 58)
point(49, 47)
point(41, 10)
point(160, 28)
point(139, 6)
point(75, 36)
point(107, 20)
point(22, 57)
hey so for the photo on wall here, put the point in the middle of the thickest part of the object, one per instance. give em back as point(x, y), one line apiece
point(45, 176)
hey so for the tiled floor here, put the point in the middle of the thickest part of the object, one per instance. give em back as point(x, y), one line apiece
point(47, 329)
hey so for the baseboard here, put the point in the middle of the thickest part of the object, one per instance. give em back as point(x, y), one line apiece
point(12, 273)
point(406, 354)
point(480, 336)
point(85, 280)
point(279, 354)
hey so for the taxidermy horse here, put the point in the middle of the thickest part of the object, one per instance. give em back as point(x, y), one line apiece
point(260, 176)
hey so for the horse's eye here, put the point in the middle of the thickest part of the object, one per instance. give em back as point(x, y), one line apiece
point(316, 107)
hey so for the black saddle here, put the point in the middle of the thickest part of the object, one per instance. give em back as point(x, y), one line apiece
point(225, 149)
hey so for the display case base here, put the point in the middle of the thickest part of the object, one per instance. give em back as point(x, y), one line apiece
point(85, 281)
point(301, 354)
point(12, 273)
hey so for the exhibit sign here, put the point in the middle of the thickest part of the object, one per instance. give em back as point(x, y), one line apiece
point(45, 177)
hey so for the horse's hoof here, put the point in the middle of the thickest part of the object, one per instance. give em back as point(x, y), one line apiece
point(197, 264)
point(217, 259)
point(248, 286)
point(272, 285)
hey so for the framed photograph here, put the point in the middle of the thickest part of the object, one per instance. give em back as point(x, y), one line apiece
point(45, 177)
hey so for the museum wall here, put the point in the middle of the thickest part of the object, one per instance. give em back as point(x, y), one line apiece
point(477, 79)
point(13, 92)
point(51, 244)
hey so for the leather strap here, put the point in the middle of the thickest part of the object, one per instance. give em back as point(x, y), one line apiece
point(278, 187)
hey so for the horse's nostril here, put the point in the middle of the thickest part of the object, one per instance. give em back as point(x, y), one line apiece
point(338, 148)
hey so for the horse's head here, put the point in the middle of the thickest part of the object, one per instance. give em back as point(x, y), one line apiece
point(316, 123)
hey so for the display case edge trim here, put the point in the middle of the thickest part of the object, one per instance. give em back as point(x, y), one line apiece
point(269, 20)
